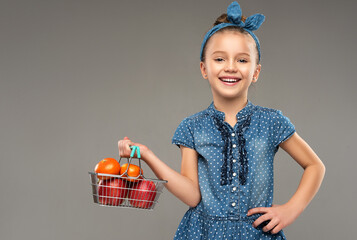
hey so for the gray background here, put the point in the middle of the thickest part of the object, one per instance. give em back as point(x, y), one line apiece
point(77, 76)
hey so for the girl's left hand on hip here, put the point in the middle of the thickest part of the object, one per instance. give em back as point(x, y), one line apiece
point(278, 216)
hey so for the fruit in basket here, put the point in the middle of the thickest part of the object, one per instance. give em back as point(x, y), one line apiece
point(142, 194)
point(112, 191)
point(107, 166)
point(133, 171)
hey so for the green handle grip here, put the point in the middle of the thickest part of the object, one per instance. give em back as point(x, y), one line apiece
point(137, 149)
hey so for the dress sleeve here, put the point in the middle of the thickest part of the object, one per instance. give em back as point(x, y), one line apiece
point(184, 135)
point(282, 128)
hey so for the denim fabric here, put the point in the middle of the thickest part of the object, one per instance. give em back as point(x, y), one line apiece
point(228, 188)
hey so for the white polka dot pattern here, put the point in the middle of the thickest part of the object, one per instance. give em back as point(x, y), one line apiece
point(222, 212)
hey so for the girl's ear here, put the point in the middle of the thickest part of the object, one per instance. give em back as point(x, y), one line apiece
point(256, 73)
point(203, 70)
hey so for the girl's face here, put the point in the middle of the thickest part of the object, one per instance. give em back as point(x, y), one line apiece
point(230, 56)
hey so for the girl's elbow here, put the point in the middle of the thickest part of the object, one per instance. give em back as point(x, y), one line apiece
point(194, 202)
point(320, 169)
point(323, 166)
point(323, 169)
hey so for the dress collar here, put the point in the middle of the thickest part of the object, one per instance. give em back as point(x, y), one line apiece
point(241, 115)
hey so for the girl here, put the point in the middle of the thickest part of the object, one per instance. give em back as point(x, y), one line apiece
point(228, 149)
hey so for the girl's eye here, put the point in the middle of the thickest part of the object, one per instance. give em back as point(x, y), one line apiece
point(240, 60)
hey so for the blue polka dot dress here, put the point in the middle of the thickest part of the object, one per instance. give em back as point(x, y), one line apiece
point(235, 170)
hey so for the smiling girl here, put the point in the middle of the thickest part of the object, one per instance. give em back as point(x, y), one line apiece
point(228, 148)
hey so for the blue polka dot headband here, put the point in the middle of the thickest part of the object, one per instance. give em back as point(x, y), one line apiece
point(234, 15)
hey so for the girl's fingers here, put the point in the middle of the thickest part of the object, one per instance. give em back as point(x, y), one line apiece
point(277, 229)
point(271, 225)
point(260, 220)
point(124, 147)
point(257, 210)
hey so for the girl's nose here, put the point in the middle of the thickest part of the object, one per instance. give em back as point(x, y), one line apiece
point(231, 66)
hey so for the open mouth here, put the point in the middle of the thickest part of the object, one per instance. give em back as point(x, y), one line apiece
point(230, 80)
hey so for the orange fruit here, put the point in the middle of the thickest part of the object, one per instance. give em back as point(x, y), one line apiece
point(107, 166)
point(133, 171)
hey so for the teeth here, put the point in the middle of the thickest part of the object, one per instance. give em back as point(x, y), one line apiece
point(229, 80)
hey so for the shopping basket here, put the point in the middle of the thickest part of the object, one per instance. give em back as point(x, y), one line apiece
point(124, 191)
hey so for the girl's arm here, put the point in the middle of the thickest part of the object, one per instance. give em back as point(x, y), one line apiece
point(314, 171)
point(185, 185)
point(281, 216)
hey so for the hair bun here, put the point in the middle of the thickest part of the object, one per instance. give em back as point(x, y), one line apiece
point(223, 19)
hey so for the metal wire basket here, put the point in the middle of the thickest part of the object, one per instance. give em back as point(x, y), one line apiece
point(124, 191)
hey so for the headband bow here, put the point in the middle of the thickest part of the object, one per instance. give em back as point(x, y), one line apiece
point(234, 15)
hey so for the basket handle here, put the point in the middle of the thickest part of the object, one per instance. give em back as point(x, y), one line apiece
point(134, 148)
point(137, 149)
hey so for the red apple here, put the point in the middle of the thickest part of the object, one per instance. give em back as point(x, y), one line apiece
point(112, 191)
point(142, 194)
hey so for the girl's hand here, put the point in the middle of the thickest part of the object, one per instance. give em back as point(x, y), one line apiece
point(279, 217)
point(125, 150)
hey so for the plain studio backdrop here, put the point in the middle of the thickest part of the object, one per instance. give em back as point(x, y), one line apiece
point(77, 76)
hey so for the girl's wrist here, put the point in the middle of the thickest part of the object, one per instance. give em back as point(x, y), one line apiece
point(296, 207)
point(145, 153)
